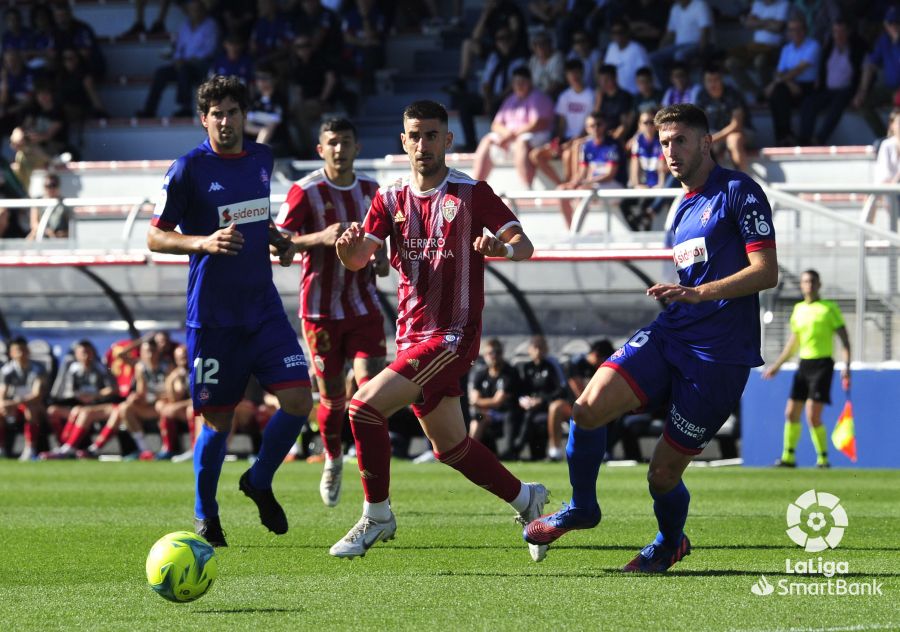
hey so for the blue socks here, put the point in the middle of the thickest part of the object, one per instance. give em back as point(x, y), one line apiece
point(671, 511)
point(209, 453)
point(280, 434)
point(585, 451)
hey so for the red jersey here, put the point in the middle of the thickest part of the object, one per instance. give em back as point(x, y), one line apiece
point(327, 289)
point(441, 290)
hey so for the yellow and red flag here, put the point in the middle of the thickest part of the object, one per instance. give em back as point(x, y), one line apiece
point(844, 435)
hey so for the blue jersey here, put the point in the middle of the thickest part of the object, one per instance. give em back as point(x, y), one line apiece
point(714, 229)
point(649, 153)
point(602, 157)
point(203, 192)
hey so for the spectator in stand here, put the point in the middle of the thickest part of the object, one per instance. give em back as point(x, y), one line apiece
point(365, 28)
point(600, 158)
point(140, 406)
point(568, 16)
point(887, 163)
point(195, 45)
point(546, 65)
point(78, 35)
point(312, 89)
point(687, 36)
point(23, 391)
point(524, 121)
point(496, 81)
point(646, 21)
point(77, 91)
point(680, 90)
point(729, 120)
point(159, 25)
point(16, 87)
point(767, 19)
point(647, 96)
point(87, 395)
point(265, 116)
point(175, 409)
point(42, 44)
point(542, 386)
point(322, 26)
point(840, 67)
point(572, 109)
point(496, 15)
point(578, 373)
point(493, 397)
point(235, 16)
point(795, 78)
point(165, 346)
point(647, 170)
point(626, 55)
point(59, 222)
point(615, 105)
point(16, 36)
point(270, 39)
point(583, 50)
point(886, 57)
point(41, 138)
point(819, 15)
point(234, 59)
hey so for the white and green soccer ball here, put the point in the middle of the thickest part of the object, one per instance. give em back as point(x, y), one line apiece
point(181, 566)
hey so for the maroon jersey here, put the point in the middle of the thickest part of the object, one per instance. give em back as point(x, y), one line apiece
point(441, 291)
point(327, 289)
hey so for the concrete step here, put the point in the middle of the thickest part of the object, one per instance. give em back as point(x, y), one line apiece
point(123, 100)
point(132, 58)
point(120, 140)
point(110, 18)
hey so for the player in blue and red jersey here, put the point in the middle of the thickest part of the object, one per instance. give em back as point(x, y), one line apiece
point(695, 358)
point(218, 195)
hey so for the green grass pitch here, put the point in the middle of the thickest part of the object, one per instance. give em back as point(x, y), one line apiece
point(74, 537)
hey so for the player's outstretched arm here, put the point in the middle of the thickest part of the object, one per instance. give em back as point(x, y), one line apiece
point(761, 274)
point(353, 249)
point(519, 246)
point(226, 241)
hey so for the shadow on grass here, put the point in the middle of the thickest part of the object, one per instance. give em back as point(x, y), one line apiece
point(247, 610)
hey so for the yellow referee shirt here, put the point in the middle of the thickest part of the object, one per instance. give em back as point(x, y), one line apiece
point(814, 325)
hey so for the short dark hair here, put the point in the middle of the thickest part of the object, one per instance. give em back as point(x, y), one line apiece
point(598, 117)
point(338, 125)
point(712, 68)
point(495, 344)
point(426, 109)
point(575, 65)
point(219, 87)
point(18, 341)
point(609, 70)
point(644, 71)
point(684, 113)
point(522, 71)
point(813, 273)
point(603, 348)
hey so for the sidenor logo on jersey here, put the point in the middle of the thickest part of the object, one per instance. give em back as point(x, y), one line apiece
point(244, 212)
point(689, 252)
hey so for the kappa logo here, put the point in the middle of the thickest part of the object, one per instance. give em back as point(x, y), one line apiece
point(215, 186)
point(751, 199)
point(414, 363)
point(263, 175)
point(399, 216)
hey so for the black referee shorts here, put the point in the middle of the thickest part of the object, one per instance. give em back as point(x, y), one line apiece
point(813, 380)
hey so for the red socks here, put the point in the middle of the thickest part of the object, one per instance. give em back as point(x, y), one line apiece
point(104, 436)
point(167, 433)
point(373, 450)
point(481, 466)
point(330, 416)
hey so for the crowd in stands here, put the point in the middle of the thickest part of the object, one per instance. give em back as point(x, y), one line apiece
point(71, 407)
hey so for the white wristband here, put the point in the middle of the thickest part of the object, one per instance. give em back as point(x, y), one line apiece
point(509, 251)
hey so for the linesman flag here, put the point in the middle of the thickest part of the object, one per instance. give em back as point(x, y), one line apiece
point(844, 435)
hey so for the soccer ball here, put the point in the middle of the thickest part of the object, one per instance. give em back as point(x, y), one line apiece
point(181, 566)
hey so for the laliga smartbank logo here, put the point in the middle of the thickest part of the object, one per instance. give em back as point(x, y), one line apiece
point(816, 521)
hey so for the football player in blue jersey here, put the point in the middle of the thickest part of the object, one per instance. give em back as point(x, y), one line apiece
point(218, 196)
point(695, 358)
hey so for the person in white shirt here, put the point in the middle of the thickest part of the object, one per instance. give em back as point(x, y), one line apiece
point(687, 36)
point(767, 19)
point(626, 55)
point(546, 65)
point(887, 164)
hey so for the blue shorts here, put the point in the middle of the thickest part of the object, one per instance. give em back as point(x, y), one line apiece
point(223, 358)
point(699, 395)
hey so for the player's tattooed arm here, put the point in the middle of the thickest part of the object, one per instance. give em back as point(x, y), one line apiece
point(353, 249)
point(512, 243)
point(225, 241)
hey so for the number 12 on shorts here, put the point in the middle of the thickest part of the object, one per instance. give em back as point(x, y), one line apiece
point(205, 371)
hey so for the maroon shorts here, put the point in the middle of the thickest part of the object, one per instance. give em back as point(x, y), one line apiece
point(436, 368)
point(333, 342)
